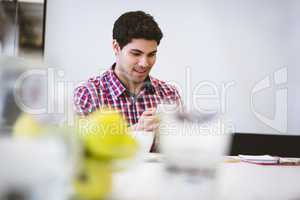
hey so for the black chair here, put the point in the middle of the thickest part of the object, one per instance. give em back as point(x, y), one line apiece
point(260, 144)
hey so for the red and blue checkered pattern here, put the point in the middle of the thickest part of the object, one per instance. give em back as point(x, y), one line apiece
point(108, 90)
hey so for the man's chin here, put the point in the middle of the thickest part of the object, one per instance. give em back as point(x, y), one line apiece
point(139, 80)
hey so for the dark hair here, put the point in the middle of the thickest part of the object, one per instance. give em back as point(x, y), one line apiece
point(136, 25)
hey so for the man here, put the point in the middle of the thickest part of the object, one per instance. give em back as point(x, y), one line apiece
point(127, 86)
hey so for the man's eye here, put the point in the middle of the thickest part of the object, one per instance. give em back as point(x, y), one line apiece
point(152, 55)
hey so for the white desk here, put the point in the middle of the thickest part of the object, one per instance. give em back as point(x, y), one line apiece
point(249, 181)
point(237, 181)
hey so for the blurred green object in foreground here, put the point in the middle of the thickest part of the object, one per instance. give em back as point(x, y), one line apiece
point(27, 126)
point(106, 140)
point(106, 136)
point(94, 180)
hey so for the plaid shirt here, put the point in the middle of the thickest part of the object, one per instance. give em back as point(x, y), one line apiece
point(108, 90)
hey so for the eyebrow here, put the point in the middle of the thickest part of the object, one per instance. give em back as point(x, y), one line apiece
point(139, 51)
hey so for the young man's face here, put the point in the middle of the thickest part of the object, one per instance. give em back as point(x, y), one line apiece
point(135, 60)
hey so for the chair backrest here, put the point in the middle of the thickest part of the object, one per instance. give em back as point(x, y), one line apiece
point(260, 144)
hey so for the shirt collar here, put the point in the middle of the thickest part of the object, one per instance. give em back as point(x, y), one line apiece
point(149, 85)
point(117, 87)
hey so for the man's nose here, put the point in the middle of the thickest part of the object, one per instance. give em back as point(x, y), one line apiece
point(144, 62)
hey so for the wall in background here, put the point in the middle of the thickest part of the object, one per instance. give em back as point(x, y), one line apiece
point(209, 47)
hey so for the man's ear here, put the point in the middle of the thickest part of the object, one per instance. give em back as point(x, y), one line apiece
point(116, 47)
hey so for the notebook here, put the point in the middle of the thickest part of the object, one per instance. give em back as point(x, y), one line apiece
point(260, 159)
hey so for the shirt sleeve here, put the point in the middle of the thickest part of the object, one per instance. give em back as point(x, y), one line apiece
point(177, 97)
point(82, 101)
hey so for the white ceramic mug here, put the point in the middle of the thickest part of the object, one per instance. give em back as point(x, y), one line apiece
point(145, 140)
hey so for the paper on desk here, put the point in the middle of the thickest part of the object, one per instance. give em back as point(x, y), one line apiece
point(260, 159)
point(289, 161)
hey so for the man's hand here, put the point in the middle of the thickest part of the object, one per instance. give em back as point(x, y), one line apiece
point(149, 121)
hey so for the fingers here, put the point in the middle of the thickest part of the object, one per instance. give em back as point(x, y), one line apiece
point(151, 127)
point(148, 123)
point(149, 112)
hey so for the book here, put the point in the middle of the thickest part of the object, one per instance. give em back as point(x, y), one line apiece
point(260, 159)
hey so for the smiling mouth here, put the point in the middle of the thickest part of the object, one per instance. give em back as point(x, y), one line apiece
point(140, 71)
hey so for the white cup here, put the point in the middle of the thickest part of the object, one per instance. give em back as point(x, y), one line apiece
point(145, 140)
